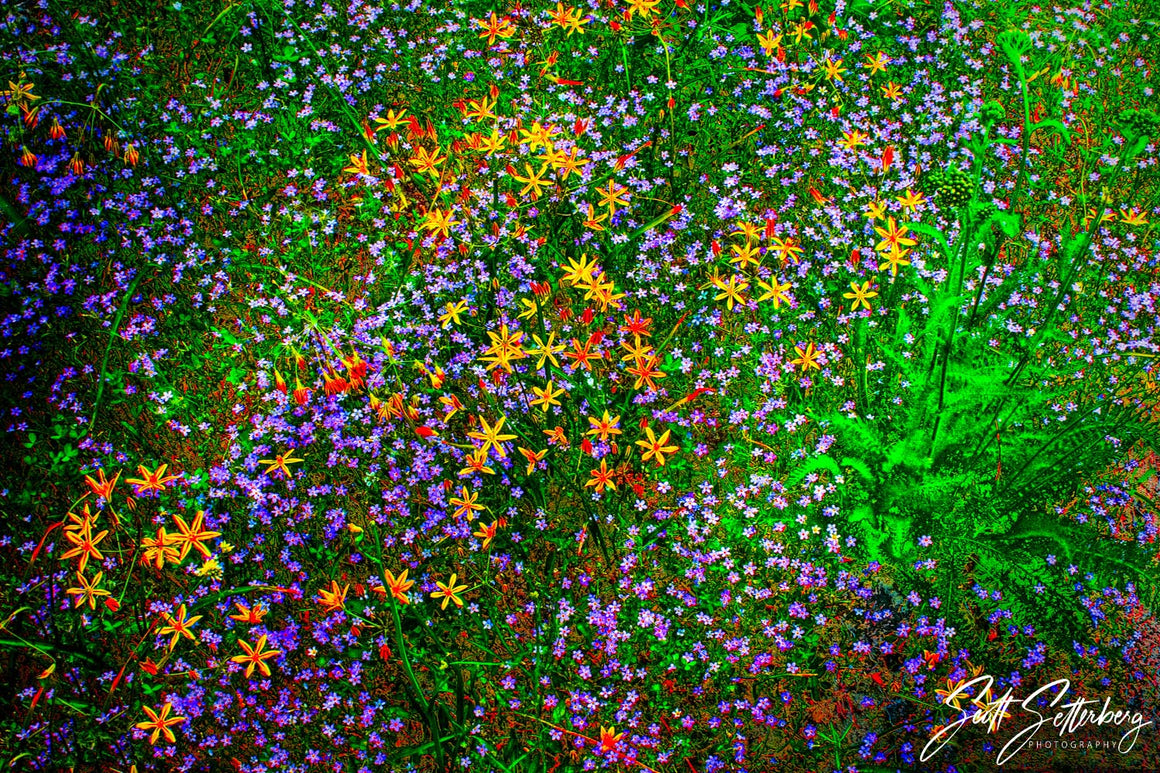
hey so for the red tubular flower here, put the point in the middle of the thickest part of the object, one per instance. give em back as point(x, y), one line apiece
point(301, 393)
point(27, 157)
point(56, 131)
point(356, 370)
point(131, 155)
point(280, 383)
point(334, 384)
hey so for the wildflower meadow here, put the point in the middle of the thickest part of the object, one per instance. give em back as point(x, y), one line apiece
point(676, 386)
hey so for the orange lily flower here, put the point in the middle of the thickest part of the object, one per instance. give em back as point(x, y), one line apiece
point(255, 657)
point(101, 486)
point(160, 722)
point(151, 481)
point(465, 503)
point(399, 585)
point(655, 446)
point(532, 457)
point(85, 544)
point(449, 592)
point(358, 165)
point(604, 426)
point(807, 359)
point(546, 397)
point(334, 599)
point(280, 461)
point(491, 436)
point(609, 738)
point(160, 549)
point(486, 533)
point(477, 463)
point(88, 591)
point(80, 522)
point(193, 536)
point(647, 370)
point(556, 436)
point(178, 625)
point(583, 355)
point(249, 615)
point(601, 478)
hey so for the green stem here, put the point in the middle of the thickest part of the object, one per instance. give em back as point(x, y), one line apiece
point(1026, 138)
point(404, 658)
point(1066, 277)
point(109, 347)
point(961, 249)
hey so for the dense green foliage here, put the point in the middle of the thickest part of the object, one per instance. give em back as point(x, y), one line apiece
point(649, 385)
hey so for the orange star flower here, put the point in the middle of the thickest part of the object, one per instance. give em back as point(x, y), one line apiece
point(807, 359)
point(178, 625)
point(556, 436)
point(546, 397)
point(477, 463)
point(655, 446)
point(582, 355)
point(465, 503)
point(495, 28)
point(151, 481)
point(160, 549)
point(601, 478)
point(249, 615)
point(426, 161)
point(255, 657)
point(193, 536)
point(532, 457)
point(491, 436)
point(893, 236)
point(84, 544)
point(160, 722)
point(636, 326)
point(776, 291)
point(334, 599)
point(100, 486)
point(453, 404)
point(449, 592)
point(280, 461)
point(88, 591)
point(398, 586)
point(505, 348)
point(486, 533)
point(79, 522)
point(613, 197)
point(647, 370)
point(604, 426)
point(358, 164)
